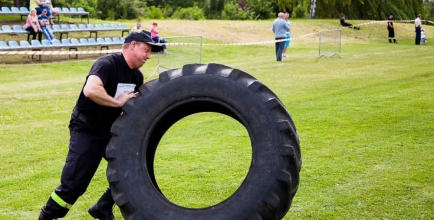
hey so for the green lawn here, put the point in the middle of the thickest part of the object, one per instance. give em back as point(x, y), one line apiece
point(365, 122)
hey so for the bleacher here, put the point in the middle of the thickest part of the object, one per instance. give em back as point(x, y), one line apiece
point(65, 29)
point(70, 44)
point(69, 36)
point(23, 12)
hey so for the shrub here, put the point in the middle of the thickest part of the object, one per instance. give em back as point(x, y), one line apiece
point(300, 12)
point(191, 13)
point(154, 13)
point(234, 12)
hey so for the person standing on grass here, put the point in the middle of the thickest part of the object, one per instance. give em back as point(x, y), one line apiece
point(43, 22)
point(280, 27)
point(423, 36)
point(418, 27)
point(390, 29)
point(288, 35)
point(112, 81)
point(32, 25)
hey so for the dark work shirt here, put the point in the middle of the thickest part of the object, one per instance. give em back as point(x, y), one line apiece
point(389, 22)
point(112, 70)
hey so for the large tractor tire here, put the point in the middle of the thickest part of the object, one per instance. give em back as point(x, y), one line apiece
point(273, 176)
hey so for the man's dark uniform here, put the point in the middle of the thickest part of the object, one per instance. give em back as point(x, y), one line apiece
point(89, 127)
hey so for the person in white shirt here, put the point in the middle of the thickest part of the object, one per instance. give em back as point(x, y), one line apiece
point(418, 26)
point(138, 27)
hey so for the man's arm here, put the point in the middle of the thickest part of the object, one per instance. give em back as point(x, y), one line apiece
point(94, 90)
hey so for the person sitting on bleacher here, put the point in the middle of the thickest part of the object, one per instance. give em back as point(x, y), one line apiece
point(138, 27)
point(154, 34)
point(45, 4)
point(43, 22)
point(32, 25)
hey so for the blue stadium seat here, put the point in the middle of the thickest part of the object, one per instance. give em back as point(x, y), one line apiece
point(114, 27)
point(25, 44)
point(56, 43)
point(65, 10)
point(7, 29)
point(64, 27)
point(36, 44)
point(24, 10)
point(75, 42)
point(57, 28)
point(99, 27)
point(92, 41)
point(117, 40)
point(6, 10)
point(107, 27)
point(73, 10)
point(81, 10)
point(66, 42)
point(3, 45)
point(122, 26)
point(101, 41)
point(18, 29)
point(46, 43)
point(108, 40)
point(15, 10)
point(13, 44)
point(90, 27)
point(82, 27)
point(58, 9)
point(84, 42)
point(73, 27)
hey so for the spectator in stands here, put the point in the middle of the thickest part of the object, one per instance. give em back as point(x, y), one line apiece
point(138, 27)
point(43, 22)
point(346, 24)
point(46, 4)
point(32, 25)
point(154, 34)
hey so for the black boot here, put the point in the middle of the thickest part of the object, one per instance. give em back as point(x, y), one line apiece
point(44, 215)
point(394, 41)
point(103, 209)
point(52, 211)
point(390, 40)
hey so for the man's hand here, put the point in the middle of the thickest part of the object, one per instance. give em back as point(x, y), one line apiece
point(94, 90)
point(126, 96)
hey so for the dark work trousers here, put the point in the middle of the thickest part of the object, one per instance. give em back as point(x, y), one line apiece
point(86, 149)
point(32, 32)
point(391, 34)
point(417, 40)
point(279, 48)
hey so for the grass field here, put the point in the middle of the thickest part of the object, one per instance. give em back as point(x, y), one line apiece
point(365, 122)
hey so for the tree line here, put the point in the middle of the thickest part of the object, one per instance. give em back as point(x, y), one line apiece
point(245, 9)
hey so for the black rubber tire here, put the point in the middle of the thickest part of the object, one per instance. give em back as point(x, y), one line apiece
point(273, 177)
